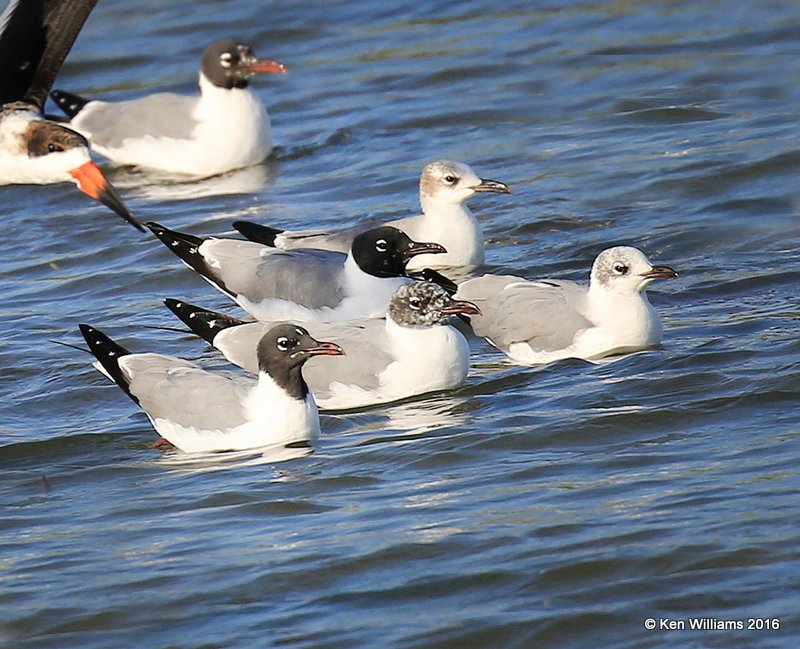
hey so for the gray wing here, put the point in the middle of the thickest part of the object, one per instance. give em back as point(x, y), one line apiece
point(238, 344)
point(339, 240)
point(175, 389)
point(546, 314)
point(365, 356)
point(312, 278)
point(160, 115)
point(363, 343)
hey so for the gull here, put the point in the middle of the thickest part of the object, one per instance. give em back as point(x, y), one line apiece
point(273, 284)
point(444, 187)
point(224, 127)
point(545, 320)
point(200, 411)
point(35, 38)
point(413, 351)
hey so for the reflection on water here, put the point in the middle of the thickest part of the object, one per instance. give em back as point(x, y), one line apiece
point(426, 415)
point(231, 459)
point(151, 185)
point(404, 422)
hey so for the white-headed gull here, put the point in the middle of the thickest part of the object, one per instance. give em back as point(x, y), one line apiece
point(444, 187)
point(545, 320)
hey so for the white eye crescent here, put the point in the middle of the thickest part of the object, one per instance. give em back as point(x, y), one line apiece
point(225, 59)
point(283, 343)
point(381, 245)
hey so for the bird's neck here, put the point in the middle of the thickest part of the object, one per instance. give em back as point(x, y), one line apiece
point(607, 306)
point(289, 381)
point(444, 209)
point(209, 90)
point(357, 276)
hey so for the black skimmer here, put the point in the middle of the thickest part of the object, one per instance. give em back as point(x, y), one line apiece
point(35, 39)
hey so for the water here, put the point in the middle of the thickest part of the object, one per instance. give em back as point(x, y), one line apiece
point(552, 506)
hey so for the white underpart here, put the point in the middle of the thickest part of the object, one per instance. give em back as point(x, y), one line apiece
point(17, 167)
point(233, 131)
point(450, 225)
point(622, 324)
point(446, 219)
point(366, 297)
point(427, 359)
point(273, 418)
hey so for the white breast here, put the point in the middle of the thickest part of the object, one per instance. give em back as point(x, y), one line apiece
point(233, 131)
point(367, 296)
point(428, 359)
point(425, 360)
point(273, 418)
point(452, 226)
point(622, 324)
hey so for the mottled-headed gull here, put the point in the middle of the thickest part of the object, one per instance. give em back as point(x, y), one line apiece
point(200, 411)
point(224, 127)
point(545, 320)
point(273, 284)
point(444, 187)
point(413, 351)
point(35, 38)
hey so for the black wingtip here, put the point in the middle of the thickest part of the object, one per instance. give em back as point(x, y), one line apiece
point(68, 102)
point(181, 244)
point(430, 275)
point(186, 248)
point(257, 233)
point(108, 353)
point(203, 322)
point(168, 237)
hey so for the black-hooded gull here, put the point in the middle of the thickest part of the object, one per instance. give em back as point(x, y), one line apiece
point(200, 411)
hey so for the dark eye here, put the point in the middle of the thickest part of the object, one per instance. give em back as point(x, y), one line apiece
point(416, 303)
point(225, 59)
point(381, 245)
point(451, 179)
point(620, 269)
point(52, 147)
point(285, 344)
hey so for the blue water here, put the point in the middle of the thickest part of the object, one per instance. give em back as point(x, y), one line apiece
point(557, 506)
